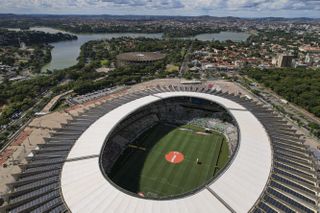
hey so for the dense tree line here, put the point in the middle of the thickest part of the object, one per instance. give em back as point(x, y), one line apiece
point(82, 78)
point(299, 86)
point(21, 95)
point(283, 37)
point(34, 57)
point(95, 51)
point(193, 30)
point(13, 38)
point(123, 76)
point(168, 31)
point(40, 57)
point(171, 27)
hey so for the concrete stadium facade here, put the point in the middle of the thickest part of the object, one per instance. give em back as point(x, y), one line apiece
point(271, 170)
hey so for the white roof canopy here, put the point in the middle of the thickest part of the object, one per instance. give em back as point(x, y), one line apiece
point(85, 189)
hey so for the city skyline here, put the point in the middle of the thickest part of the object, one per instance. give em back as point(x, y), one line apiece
point(239, 8)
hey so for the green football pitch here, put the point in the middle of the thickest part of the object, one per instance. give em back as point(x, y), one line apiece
point(143, 167)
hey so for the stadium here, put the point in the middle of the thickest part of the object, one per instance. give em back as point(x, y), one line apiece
point(170, 148)
point(138, 58)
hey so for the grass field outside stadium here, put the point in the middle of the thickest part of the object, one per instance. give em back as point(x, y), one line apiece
point(170, 160)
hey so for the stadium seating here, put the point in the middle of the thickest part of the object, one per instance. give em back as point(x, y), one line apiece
point(292, 186)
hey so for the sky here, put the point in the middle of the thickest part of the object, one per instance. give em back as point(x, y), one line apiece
point(239, 8)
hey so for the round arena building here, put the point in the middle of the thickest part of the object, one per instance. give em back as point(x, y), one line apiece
point(138, 58)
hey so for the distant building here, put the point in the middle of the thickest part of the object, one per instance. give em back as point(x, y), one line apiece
point(138, 58)
point(308, 59)
point(309, 49)
point(274, 61)
point(18, 78)
point(284, 60)
point(312, 58)
point(219, 67)
point(300, 65)
point(23, 46)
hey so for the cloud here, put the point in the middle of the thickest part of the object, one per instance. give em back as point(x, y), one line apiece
point(162, 4)
point(274, 4)
point(133, 6)
point(222, 4)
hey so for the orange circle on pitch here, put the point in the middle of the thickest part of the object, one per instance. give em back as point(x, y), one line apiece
point(174, 157)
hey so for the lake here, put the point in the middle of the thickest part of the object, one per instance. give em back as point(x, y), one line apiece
point(223, 36)
point(65, 53)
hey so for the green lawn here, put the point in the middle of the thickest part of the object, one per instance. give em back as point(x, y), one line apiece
point(150, 173)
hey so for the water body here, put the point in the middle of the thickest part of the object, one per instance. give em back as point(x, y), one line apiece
point(65, 53)
point(223, 36)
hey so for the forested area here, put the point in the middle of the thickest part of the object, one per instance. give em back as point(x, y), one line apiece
point(18, 97)
point(283, 37)
point(299, 86)
point(95, 51)
point(13, 38)
point(95, 54)
point(33, 58)
point(81, 24)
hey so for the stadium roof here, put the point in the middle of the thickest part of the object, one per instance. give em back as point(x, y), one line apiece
point(140, 56)
point(85, 189)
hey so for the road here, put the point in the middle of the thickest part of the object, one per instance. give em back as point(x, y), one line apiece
point(21, 122)
point(184, 65)
point(301, 113)
point(291, 112)
point(291, 109)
